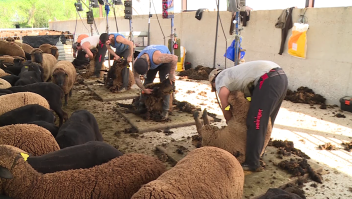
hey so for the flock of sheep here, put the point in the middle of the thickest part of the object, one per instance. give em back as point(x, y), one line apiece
point(39, 159)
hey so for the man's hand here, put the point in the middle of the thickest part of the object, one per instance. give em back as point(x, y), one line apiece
point(148, 91)
point(129, 59)
point(116, 57)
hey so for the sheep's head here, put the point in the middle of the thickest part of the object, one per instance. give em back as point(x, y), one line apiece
point(59, 77)
point(10, 39)
point(53, 50)
point(10, 158)
point(37, 55)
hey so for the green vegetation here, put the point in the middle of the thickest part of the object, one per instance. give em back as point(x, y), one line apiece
point(37, 13)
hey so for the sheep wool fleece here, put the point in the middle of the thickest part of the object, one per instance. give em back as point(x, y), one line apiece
point(70, 70)
point(3, 73)
point(119, 178)
point(10, 102)
point(206, 172)
point(31, 138)
point(4, 84)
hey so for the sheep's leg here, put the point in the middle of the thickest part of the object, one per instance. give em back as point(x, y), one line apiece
point(205, 117)
point(66, 96)
point(198, 122)
point(62, 115)
point(70, 94)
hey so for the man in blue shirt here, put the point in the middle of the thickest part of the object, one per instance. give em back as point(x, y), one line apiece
point(124, 48)
point(153, 59)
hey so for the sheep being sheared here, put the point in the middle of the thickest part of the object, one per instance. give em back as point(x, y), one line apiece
point(114, 79)
point(233, 137)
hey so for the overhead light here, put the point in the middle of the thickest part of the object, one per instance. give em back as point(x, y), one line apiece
point(117, 2)
point(78, 6)
point(94, 3)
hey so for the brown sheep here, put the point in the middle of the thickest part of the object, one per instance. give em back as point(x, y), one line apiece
point(64, 75)
point(7, 59)
point(119, 178)
point(12, 101)
point(3, 83)
point(114, 77)
point(47, 61)
point(91, 67)
point(233, 137)
point(50, 49)
point(3, 73)
point(207, 172)
point(10, 48)
point(31, 138)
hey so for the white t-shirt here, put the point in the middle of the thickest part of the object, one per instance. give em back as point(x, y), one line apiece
point(93, 40)
point(238, 77)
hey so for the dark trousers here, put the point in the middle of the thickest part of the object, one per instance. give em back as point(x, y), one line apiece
point(267, 97)
point(99, 59)
point(125, 71)
point(164, 70)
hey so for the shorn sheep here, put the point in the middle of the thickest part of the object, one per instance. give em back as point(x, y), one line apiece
point(50, 49)
point(31, 138)
point(47, 62)
point(207, 172)
point(64, 75)
point(119, 178)
point(233, 137)
point(10, 48)
point(12, 101)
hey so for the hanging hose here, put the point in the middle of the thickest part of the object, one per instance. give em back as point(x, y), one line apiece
point(159, 22)
point(117, 29)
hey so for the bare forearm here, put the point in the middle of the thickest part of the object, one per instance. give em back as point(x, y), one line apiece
point(138, 81)
point(112, 52)
point(131, 49)
point(173, 69)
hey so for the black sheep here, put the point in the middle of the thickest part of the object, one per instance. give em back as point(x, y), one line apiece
point(30, 73)
point(50, 91)
point(81, 156)
point(26, 114)
point(12, 79)
point(14, 68)
point(80, 128)
point(48, 126)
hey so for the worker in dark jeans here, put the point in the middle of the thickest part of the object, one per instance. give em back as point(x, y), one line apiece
point(263, 83)
point(124, 48)
point(99, 42)
point(153, 59)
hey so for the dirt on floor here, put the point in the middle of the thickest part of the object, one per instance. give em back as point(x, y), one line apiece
point(327, 146)
point(198, 73)
point(286, 148)
point(348, 146)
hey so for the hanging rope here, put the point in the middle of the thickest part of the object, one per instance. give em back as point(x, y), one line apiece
point(158, 22)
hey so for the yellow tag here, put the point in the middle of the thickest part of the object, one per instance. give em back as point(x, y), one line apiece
point(249, 99)
point(128, 67)
point(25, 156)
point(26, 67)
point(227, 108)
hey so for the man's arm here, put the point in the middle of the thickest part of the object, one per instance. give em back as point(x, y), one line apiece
point(86, 49)
point(137, 79)
point(160, 58)
point(112, 52)
point(125, 41)
point(224, 96)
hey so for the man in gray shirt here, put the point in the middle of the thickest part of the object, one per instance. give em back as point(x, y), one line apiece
point(266, 85)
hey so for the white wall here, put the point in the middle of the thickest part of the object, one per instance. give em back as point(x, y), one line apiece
point(327, 69)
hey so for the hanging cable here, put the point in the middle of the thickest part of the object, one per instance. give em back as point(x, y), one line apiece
point(222, 31)
point(74, 33)
point(117, 29)
point(95, 25)
point(158, 21)
point(82, 21)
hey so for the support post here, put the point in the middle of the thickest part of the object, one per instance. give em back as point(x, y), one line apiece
point(216, 33)
point(172, 35)
point(237, 38)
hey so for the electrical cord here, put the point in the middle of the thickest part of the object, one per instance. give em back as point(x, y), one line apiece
point(117, 29)
point(82, 21)
point(158, 21)
point(95, 25)
point(222, 30)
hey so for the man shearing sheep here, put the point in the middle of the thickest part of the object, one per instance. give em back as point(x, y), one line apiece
point(100, 42)
point(124, 48)
point(263, 83)
point(153, 59)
